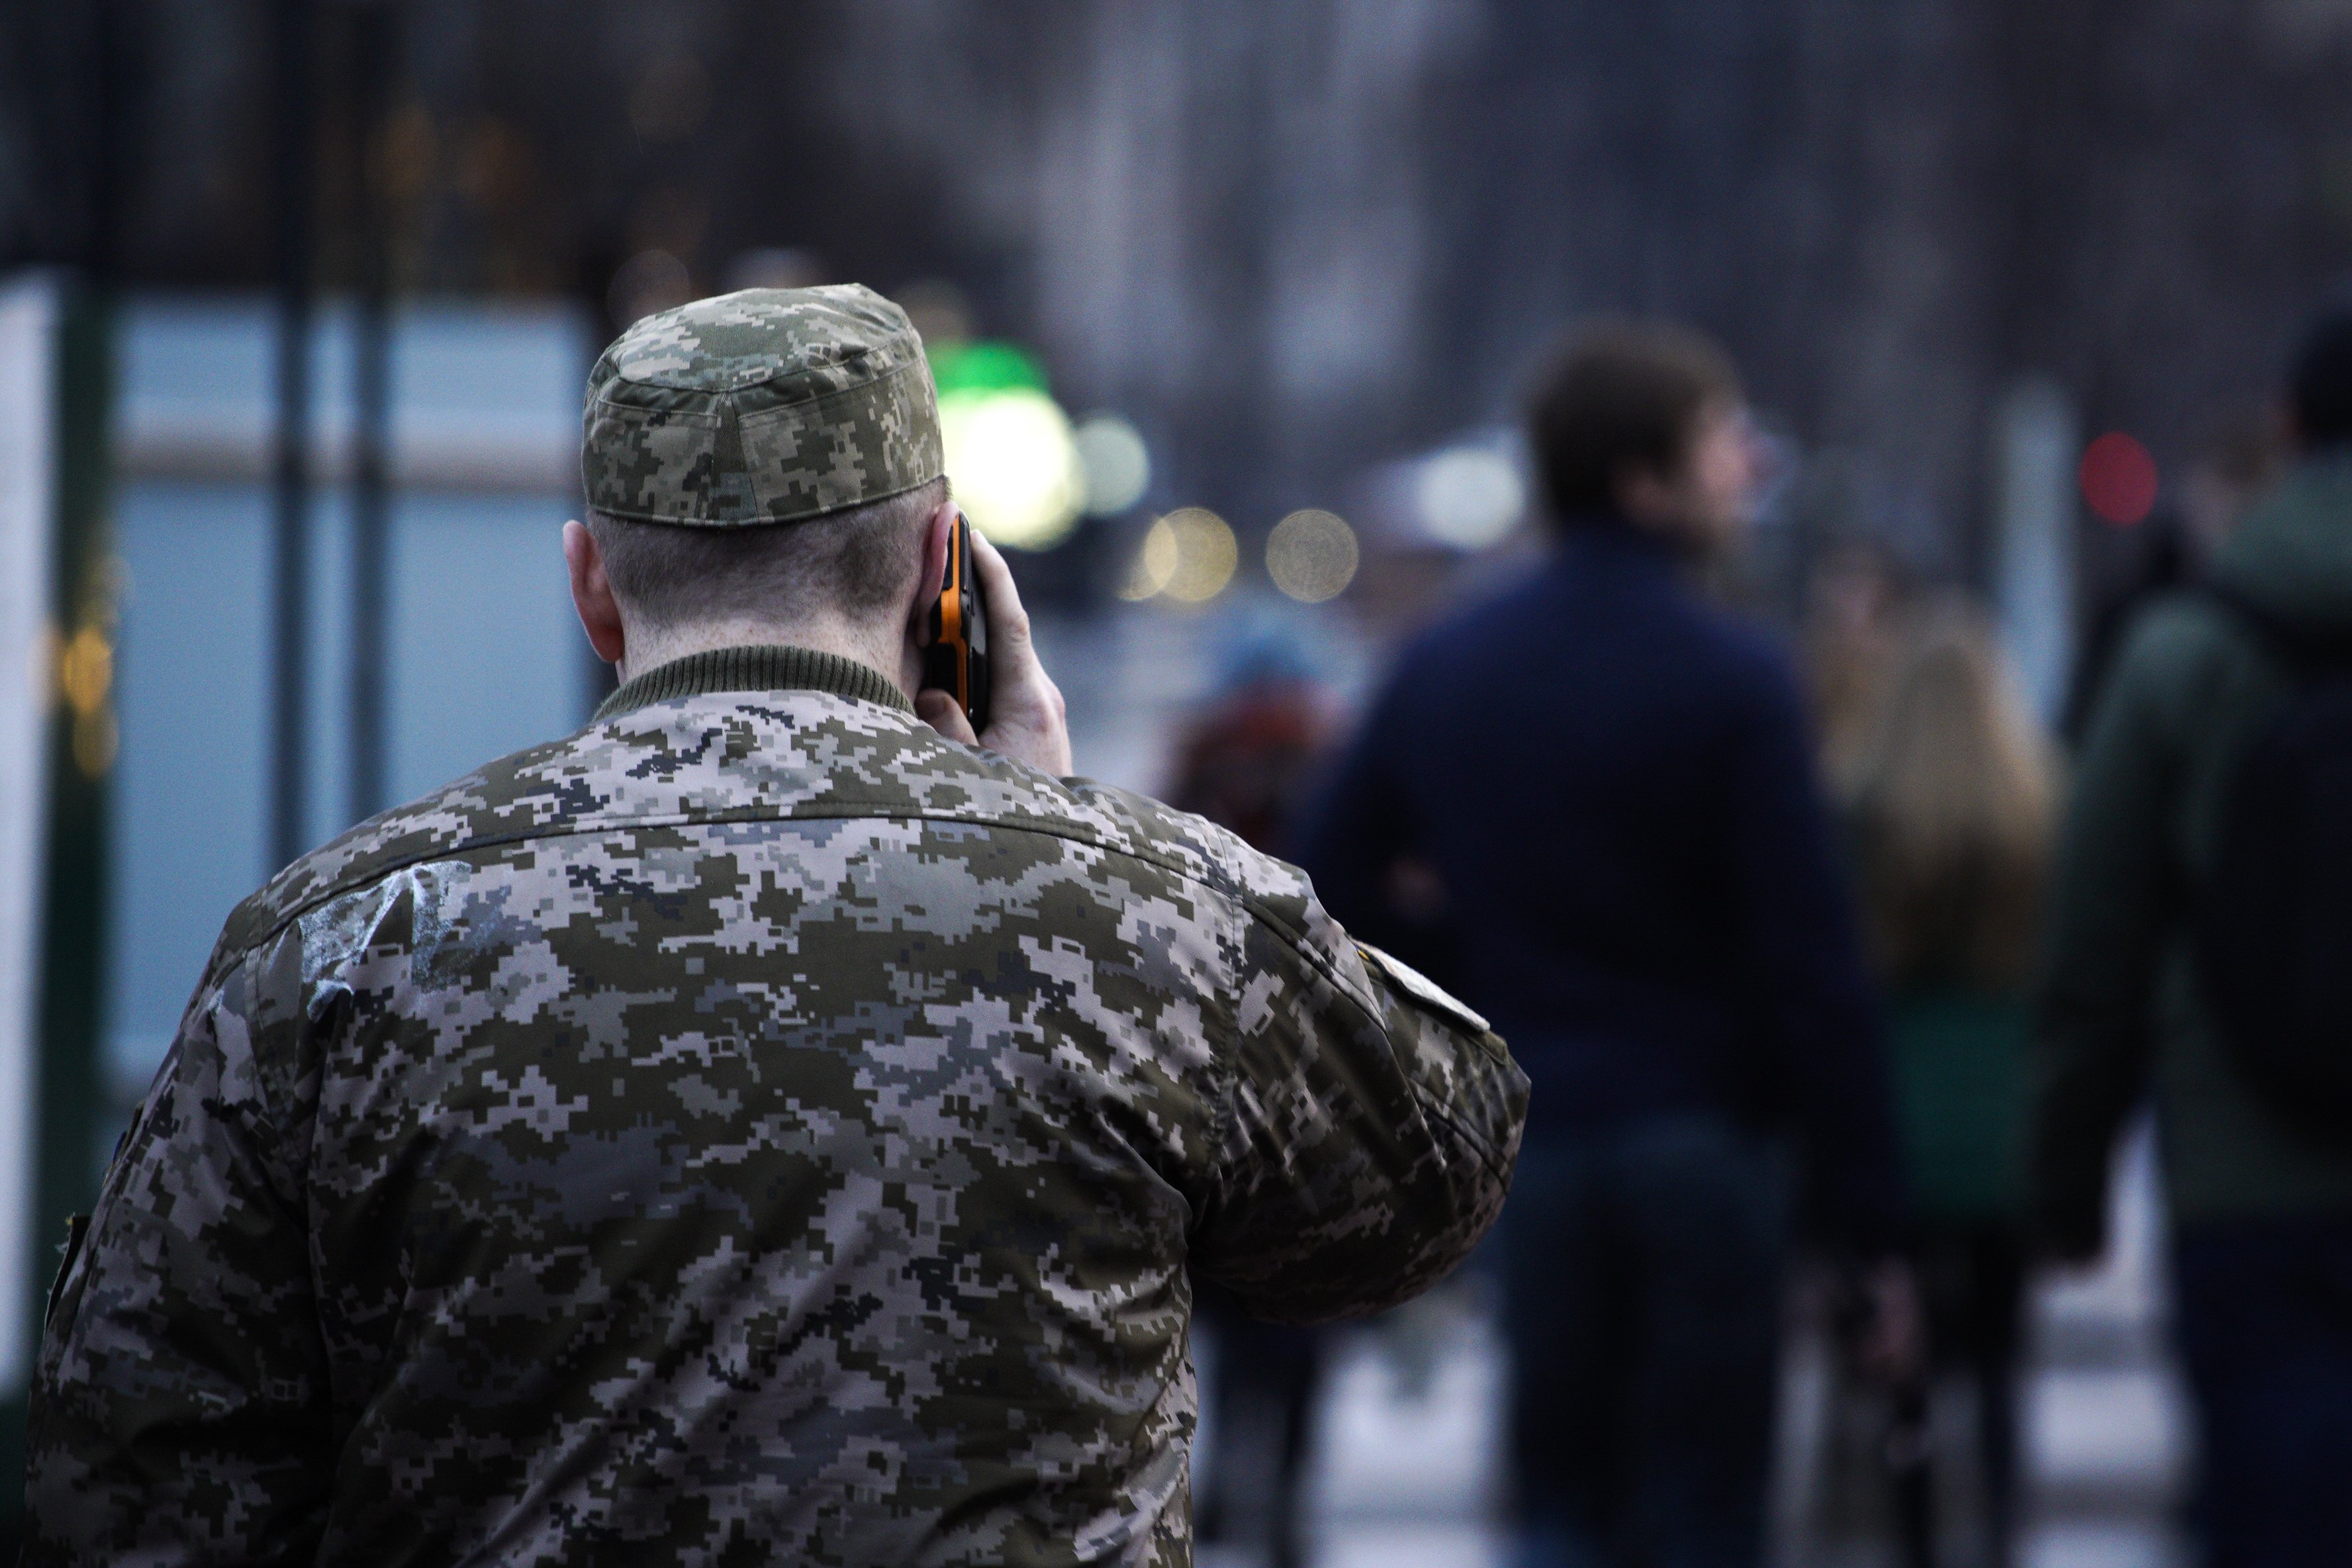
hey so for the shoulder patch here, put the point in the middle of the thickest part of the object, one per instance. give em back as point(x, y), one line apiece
point(1423, 990)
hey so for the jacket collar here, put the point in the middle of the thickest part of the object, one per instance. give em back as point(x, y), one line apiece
point(755, 668)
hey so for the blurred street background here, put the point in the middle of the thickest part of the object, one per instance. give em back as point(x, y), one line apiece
point(1232, 307)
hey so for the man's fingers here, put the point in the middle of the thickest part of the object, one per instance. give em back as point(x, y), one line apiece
point(1008, 623)
point(1031, 721)
point(942, 713)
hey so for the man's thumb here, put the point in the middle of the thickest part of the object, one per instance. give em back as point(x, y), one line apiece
point(941, 712)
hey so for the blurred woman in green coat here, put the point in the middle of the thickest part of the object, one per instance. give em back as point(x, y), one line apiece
point(1952, 798)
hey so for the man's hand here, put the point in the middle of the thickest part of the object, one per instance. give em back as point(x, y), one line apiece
point(1027, 719)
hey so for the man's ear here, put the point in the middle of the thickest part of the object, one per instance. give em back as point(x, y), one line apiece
point(592, 594)
point(936, 536)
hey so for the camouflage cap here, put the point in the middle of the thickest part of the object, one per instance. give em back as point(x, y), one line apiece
point(769, 405)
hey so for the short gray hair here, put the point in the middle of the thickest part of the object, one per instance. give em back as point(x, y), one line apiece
point(861, 560)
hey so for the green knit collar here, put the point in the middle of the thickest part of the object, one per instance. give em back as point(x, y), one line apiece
point(755, 668)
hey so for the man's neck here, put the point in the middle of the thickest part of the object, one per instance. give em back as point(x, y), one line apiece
point(650, 648)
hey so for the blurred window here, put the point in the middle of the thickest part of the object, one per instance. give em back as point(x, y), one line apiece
point(484, 656)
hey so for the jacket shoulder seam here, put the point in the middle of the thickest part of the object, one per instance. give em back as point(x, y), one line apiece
point(228, 956)
point(1298, 943)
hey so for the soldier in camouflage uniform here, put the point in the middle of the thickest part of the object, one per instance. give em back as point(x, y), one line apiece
point(760, 1127)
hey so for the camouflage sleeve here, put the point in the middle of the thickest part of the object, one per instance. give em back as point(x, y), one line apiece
point(180, 1409)
point(1369, 1131)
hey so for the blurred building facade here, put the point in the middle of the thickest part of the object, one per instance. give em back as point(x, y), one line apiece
point(1297, 239)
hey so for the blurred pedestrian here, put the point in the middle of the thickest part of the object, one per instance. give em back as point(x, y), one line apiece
point(2172, 549)
point(1953, 797)
point(1246, 760)
point(1601, 786)
point(772, 1125)
point(2199, 928)
point(1854, 604)
point(2232, 468)
point(1244, 763)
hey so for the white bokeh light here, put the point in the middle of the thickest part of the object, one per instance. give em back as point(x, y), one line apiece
point(1117, 464)
point(1469, 496)
point(1014, 465)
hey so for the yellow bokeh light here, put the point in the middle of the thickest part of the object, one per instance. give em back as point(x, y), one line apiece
point(1155, 563)
point(1013, 465)
point(1206, 554)
point(1188, 554)
point(1311, 555)
point(86, 670)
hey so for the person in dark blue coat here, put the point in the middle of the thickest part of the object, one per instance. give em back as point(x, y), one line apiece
point(1588, 804)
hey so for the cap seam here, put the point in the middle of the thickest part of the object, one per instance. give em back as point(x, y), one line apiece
point(768, 522)
point(683, 415)
point(767, 415)
point(847, 356)
point(605, 397)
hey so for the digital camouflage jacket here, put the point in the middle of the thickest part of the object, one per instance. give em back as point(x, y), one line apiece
point(754, 1129)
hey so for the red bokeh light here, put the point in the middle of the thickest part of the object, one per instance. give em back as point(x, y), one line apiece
point(2118, 479)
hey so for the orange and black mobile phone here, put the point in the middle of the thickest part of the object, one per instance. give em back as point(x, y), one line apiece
point(957, 661)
